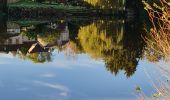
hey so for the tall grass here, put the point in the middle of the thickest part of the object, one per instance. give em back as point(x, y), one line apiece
point(158, 41)
point(158, 44)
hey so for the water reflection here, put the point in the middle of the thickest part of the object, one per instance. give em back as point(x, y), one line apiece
point(109, 4)
point(117, 42)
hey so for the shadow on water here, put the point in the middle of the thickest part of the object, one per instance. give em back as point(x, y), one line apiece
point(117, 42)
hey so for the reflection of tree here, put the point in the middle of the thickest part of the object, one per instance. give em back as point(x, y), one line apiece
point(45, 33)
point(30, 34)
point(49, 38)
point(122, 60)
point(94, 37)
point(107, 40)
point(106, 4)
point(117, 43)
point(49, 35)
point(38, 57)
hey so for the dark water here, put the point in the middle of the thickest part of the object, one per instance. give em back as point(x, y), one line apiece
point(76, 58)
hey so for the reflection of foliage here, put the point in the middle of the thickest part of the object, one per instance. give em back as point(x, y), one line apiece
point(29, 34)
point(40, 57)
point(122, 60)
point(102, 39)
point(105, 40)
point(94, 38)
point(106, 4)
point(24, 50)
point(49, 37)
point(46, 34)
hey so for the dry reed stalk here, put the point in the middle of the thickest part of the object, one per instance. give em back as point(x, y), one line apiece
point(158, 41)
point(158, 44)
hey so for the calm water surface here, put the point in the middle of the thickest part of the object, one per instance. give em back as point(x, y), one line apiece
point(73, 59)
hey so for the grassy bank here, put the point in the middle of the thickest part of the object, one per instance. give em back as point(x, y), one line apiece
point(34, 9)
point(35, 5)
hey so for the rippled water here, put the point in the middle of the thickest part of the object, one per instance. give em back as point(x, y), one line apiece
point(73, 59)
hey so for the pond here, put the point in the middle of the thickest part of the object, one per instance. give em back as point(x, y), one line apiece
point(75, 58)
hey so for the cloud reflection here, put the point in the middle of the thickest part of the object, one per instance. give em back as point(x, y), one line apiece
point(63, 89)
point(48, 75)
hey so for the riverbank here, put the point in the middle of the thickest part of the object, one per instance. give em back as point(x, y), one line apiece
point(35, 5)
point(34, 9)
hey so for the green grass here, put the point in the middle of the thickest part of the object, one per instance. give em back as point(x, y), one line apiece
point(28, 23)
point(34, 5)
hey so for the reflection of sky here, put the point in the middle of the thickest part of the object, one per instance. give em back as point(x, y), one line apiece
point(64, 79)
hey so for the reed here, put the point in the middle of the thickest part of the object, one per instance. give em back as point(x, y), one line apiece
point(158, 45)
point(158, 41)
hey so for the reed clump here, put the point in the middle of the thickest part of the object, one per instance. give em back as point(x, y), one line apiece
point(158, 41)
point(158, 45)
